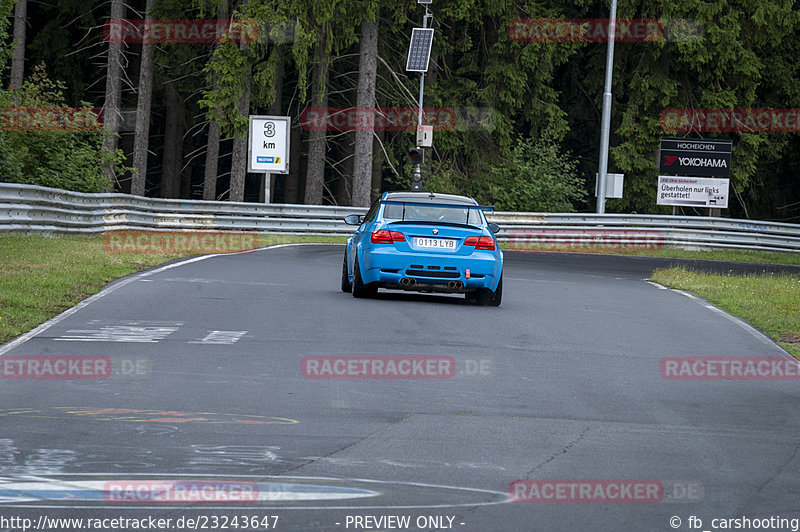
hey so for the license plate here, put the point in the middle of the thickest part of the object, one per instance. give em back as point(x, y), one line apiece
point(436, 243)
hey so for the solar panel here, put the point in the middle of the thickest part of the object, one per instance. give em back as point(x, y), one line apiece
point(419, 51)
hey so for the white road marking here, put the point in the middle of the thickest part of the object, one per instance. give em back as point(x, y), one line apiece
point(126, 331)
point(89, 490)
point(220, 338)
point(503, 497)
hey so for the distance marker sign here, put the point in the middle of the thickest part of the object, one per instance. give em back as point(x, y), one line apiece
point(268, 144)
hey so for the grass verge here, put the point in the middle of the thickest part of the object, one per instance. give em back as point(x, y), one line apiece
point(769, 302)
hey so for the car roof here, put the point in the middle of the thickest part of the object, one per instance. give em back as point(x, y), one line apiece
point(429, 197)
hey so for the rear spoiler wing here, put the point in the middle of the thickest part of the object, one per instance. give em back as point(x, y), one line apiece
point(484, 208)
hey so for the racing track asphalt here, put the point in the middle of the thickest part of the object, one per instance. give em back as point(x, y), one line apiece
point(560, 382)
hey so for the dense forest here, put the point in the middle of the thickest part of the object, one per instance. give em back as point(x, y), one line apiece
point(516, 111)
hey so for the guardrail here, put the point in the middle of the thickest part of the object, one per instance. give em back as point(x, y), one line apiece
point(41, 210)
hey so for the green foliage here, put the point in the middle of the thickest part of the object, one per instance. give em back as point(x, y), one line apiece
point(6, 8)
point(229, 63)
point(71, 160)
point(743, 57)
point(538, 177)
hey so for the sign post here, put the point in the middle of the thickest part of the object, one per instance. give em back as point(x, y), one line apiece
point(605, 125)
point(268, 148)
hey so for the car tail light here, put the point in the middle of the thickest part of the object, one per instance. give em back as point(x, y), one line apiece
point(482, 242)
point(387, 237)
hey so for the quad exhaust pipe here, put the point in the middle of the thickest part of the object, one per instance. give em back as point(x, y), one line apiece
point(411, 283)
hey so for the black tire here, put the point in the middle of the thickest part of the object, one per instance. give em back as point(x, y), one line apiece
point(497, 296)
point(359, 288)
point(488, 298)
point(347, 286)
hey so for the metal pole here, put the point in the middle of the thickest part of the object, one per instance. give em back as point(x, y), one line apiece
point(421, 85)
point(606, 124)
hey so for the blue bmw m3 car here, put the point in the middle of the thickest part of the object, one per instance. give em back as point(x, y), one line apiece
point(424, 242)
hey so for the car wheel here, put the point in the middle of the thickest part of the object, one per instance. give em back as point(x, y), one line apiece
point(487, 297)
point(347, 286)
point(359, 288)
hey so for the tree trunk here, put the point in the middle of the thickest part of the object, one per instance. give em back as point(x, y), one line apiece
point(365, 103)
point(377, 166)
point(212, 162)
point(141, 141)
point(111, 110)
point(18, 59)
point(174, 129)
point(239, 158)
point(315, 169)
point(212, 145)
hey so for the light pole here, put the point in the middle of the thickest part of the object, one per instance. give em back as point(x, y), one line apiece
point(606, 121)
point(419, 53)
point(416, 180)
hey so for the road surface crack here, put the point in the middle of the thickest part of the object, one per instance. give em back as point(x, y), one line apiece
point(564, 450)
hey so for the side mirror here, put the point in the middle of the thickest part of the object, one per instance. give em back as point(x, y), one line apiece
point(353, 219)
point(494, 228)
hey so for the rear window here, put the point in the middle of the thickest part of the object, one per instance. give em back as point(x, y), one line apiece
point(432, 213)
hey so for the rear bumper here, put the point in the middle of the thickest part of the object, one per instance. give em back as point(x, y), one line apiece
point(431, 271)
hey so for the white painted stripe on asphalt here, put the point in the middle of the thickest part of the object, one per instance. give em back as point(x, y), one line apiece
point(90, 490)
point(220, 338)
point(118, 333)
